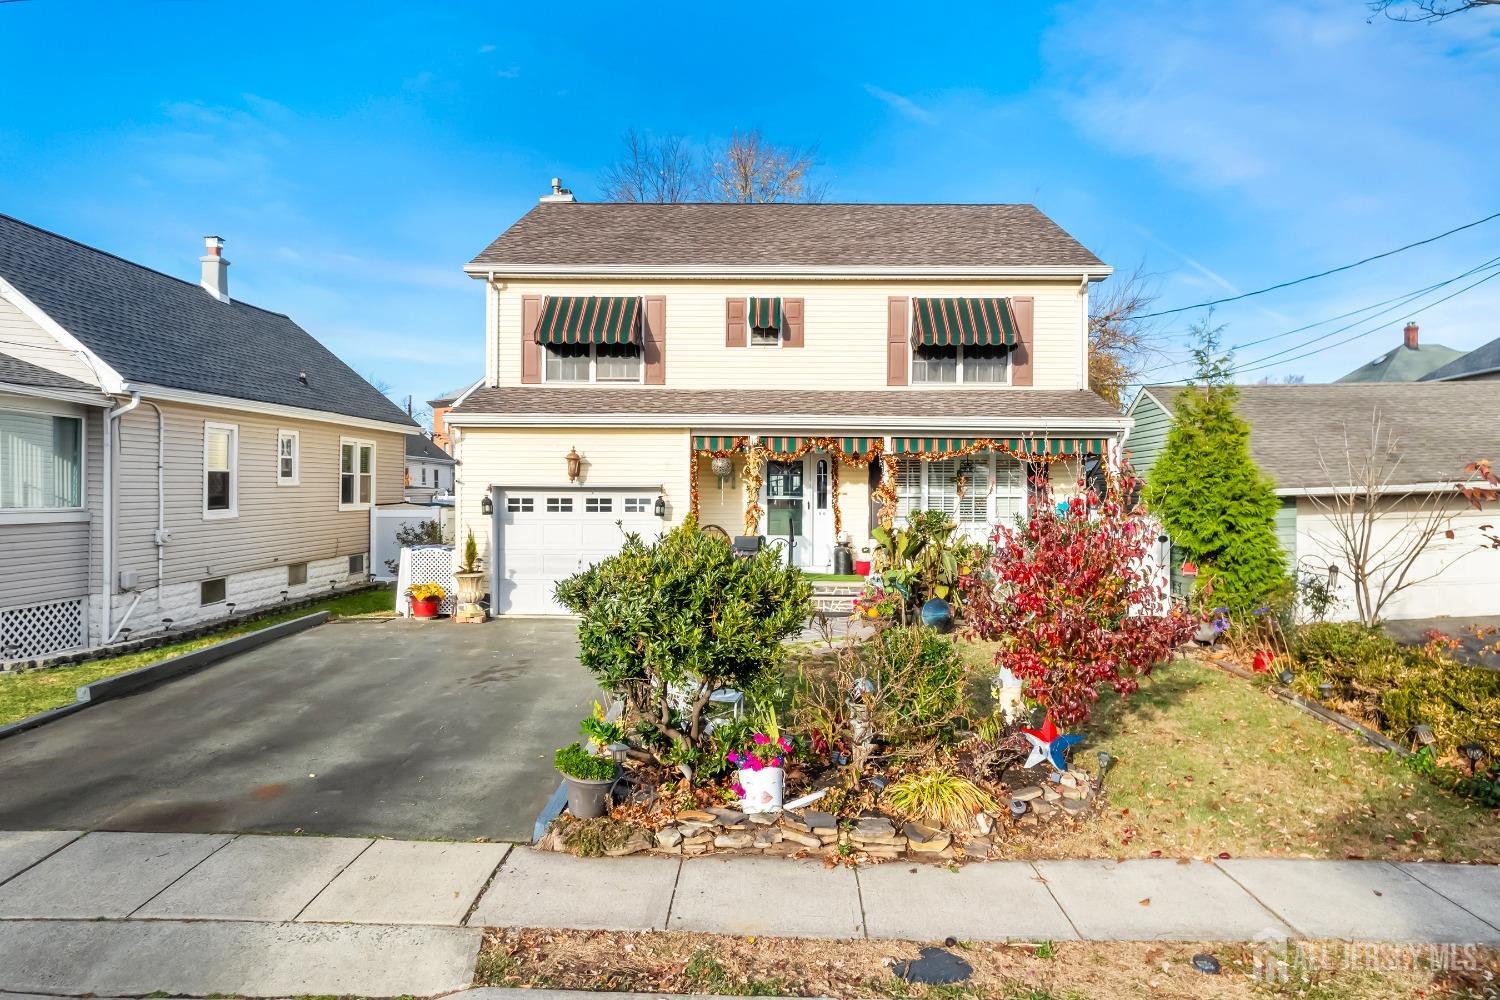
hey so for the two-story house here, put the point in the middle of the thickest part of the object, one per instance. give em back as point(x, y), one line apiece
point(429, 469)
point(167, 453)
point(794, 371)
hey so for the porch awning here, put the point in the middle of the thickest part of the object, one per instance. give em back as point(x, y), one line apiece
point(970, 322)
point(858, 447)
point(1015, 445)
point(782, 445)
point(589, 319)
point(765, 314)
point(713, 443)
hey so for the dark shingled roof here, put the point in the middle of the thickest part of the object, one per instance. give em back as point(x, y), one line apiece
point(1482, 359)
point(578, 234)
point(1438, 428)
point(153, 328)
point(17, 372)
point(858, 405)
point(1403, 364)
point(422, 446)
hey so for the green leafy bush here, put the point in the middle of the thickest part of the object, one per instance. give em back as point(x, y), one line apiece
point(921, 680)
point(576, 762)
point(665, 624)
point(937, 798)
point(927, 557)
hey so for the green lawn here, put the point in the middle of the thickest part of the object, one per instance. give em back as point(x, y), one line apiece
point(834, 577)
point(1207, 762)
point(27, 694)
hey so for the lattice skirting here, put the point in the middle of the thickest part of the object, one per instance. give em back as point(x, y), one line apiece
point(35, 630)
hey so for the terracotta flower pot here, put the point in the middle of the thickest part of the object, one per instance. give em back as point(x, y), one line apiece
point(425, 607)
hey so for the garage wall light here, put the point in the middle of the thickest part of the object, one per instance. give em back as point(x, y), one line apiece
point(487, 506)
point(661, 507)
point(575, 465)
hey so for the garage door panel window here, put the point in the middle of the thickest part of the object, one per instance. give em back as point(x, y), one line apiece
point(519, 505)
point(356, 474)
point(41, 462)
point(598, 505)
point(637, 505)
point(559, 505)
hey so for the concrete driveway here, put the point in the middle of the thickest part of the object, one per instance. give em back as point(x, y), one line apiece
point(396, 728)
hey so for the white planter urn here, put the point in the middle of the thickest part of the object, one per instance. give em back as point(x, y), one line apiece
point(763, 789)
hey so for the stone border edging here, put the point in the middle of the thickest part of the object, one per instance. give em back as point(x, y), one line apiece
point(135, 680)
point(1319, 711)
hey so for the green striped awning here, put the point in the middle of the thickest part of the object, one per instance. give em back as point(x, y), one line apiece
point(713, 444)
point(590, 319)
point(1027, 446)
point(765, 314)
point(858, 447)
point(781, 445)
point(950, 322)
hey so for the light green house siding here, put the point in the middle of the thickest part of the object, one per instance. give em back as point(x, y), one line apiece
point(1149, 435)
point(1286, 531)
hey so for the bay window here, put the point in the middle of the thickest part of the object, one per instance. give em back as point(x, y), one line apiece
point(41, 461)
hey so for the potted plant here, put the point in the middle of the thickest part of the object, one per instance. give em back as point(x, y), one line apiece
point(426, 598)
point(601, 732)
point(589, 779)
point(761, 777)
point(470, 583)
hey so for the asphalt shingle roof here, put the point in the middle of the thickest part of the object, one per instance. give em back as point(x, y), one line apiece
point(156, 329)
point(1484, 358)
point(1026, 404)
point(1403, 364)
point(422, 446)
point(17, 372)
point(1437, 428)
point(580, 234)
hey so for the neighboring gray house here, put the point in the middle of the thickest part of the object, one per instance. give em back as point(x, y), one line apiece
point(241, 463)
point(1409, 361)
point(1298, 431)
point(1482, 363)
point(429, 469)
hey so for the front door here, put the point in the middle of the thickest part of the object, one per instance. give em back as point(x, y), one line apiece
point(822, 511)
point(789, 520)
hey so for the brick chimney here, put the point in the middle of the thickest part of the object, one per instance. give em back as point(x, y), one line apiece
point(1411, 335)
point(215, 278)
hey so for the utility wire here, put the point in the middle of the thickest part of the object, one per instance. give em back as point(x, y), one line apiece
point(1320, 274)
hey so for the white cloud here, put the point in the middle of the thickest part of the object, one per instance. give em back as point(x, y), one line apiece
point(901, 105)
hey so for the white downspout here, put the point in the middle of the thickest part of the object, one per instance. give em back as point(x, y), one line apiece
point(161, 499)
point(107, 590)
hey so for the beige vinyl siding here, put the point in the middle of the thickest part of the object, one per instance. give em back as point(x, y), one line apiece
point(275, 524)
point(46, 559)
point(21, 337)
point(494, 457)
point(724, 507)
point(844, 330)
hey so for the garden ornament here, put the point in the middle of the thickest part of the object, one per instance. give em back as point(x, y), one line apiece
point(1007, 694)
point(1050, 746)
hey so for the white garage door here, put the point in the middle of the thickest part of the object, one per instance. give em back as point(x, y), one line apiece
point(547, 535)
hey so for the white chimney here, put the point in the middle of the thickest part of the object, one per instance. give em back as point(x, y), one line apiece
point(215, 268)
point(558, 194)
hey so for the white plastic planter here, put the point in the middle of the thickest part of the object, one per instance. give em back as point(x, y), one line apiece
point(762, 789)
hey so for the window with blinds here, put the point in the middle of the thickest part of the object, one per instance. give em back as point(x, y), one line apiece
point(994, 488)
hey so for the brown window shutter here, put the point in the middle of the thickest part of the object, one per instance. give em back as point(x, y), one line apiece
point(1023, 308)
point(897, 347)
point(531, 351)
point(791, 315)
point(735, 313)
point(654, 340)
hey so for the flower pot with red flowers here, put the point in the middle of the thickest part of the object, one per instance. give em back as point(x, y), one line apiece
point(761, 777)
point(426, 599)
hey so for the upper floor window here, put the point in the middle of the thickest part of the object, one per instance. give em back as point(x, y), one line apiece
point(961, 340)
point(288, 457)
point(41, 461)
point(591, 338)
point(763, 317)
point(220, 469)
point(356, 474)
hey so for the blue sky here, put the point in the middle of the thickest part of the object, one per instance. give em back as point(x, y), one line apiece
point(355, 156)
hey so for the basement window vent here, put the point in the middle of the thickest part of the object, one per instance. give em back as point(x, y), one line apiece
point(296, 574)
point(211, 592)
point(357, 565)
point(41, 629)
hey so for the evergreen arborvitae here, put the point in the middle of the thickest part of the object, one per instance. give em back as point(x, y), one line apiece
point(1212, 498)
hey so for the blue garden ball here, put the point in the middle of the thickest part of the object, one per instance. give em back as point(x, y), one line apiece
point(937, 613)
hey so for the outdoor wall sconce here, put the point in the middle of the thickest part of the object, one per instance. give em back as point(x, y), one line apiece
point(1333, 576)
point(661, 507)
point(487, 506)
point(575, 465)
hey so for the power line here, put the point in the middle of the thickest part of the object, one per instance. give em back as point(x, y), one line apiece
point(1320, 274)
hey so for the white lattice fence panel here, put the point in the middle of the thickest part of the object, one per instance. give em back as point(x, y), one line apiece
point(427, 564)
point(41, 629)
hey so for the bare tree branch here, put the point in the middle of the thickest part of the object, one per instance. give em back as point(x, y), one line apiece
point(653, 170)
point(748, 168)
point(1413, 11)
point(1120, 343)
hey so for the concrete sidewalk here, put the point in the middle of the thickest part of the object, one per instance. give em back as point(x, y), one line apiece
point(199, 914)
